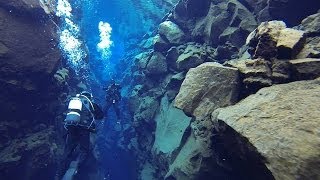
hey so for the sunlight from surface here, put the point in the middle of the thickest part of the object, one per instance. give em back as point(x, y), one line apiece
point(70, 41)
point(63, 8)
point(105, 42)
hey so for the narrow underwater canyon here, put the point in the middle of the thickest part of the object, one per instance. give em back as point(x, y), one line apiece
point(211, 89)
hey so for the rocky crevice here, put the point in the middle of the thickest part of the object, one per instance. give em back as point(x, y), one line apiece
point(216, 58)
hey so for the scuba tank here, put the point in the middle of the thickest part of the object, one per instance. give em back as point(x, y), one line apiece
point(73, 116)
point(75, 107)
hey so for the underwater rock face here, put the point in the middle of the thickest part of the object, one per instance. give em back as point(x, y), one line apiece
point(256, 73)
point(26, 69)
point(273, 40)
point(216, 31)
point(286, 10)
point(32, 154)
point(172, 32)
point(206, 88)
point(157, 64)
point(171, 126)
point(192, 56)
point(281, 122)
point(311, 27)
point(29, 58)
point(305, 68)
point(311, 24)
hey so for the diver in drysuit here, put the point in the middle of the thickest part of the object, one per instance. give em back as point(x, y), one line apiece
point(79, 123)
point(113, 97)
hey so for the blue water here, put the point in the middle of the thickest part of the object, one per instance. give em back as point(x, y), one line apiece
point(96, 66)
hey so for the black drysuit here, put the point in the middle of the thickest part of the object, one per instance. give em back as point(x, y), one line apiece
point(79, 136)
point(113, 97)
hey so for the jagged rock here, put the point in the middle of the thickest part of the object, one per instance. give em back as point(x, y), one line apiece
point(193, 55)
point(206, 88)
point(311, 48)
point(175, 81)
point(273, 40)
point(137, 90)
point(142, 59)
point(266, 10)
point(26, 71)
point(171, 32)
point(226, 52)
point(256, 73)
point(139, 77)
point(147, 172)
point(289, 43)
point(157, 64)
point(148, 107)
point(280, 123)
point(172, 56)
point(147, 43)
point(196, 158)
point(171, 126)
point(62, 76)
point(281, 71)
point(305, 68)
point(234, 36)
point(33, 152)
point(159, 44)
point(191, 9)
point(48, 6)
point(262, 42)
point(311, 24)
point(232, 22)
point(133, 102)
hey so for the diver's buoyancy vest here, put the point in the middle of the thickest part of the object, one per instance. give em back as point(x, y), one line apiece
point(76, 110)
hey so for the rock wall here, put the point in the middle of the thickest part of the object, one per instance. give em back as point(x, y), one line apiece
point(280, 122)
point(208, 55)
point(29, 59)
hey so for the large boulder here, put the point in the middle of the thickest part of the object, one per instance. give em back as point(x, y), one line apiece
point(171, 32)
point(206, 88)
point(281, 124)
point(252, 69)
point(232, 22)
point(141, 60)
point(159, 44)
point(193, 55)
point(305, 68)
point(289, 43)
point(273, 40)
point(311, 48)
point(26, 71)
point(157, 64)
point(311, 24)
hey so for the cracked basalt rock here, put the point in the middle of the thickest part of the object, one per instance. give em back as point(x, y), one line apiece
point(279, 123)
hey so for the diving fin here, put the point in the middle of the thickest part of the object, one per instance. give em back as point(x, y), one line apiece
point(69, 175)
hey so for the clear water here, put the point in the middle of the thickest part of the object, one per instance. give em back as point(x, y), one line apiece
point(106, 28)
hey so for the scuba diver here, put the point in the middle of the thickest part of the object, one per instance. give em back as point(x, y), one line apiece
point(113, 97)
point(79, 123)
